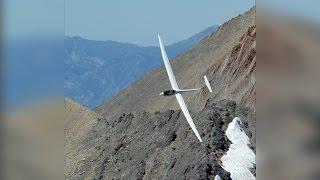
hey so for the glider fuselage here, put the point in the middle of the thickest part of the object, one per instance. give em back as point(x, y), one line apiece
point(174, 92)
point(169, 93)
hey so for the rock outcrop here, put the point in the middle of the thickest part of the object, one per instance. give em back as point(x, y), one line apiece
point(159, 145)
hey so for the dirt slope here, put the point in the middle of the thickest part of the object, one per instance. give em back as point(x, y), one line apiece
point(227, 57)
point(79, 122)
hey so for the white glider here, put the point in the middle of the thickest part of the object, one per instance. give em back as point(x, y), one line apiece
point(176, 91)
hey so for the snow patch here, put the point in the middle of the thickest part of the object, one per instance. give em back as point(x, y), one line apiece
point(239, 159)
point(217, 177)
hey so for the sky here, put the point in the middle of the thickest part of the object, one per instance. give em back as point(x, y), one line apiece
point(32, 18)
point(139, 21)
point(134, 21)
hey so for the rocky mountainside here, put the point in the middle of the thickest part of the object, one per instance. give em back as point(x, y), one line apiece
point(77, 129)
point(227, 57)
point(98, 70)
point(159, 145)
point(140, 135)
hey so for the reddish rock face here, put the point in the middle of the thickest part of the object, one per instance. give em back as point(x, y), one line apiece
point(237, 71)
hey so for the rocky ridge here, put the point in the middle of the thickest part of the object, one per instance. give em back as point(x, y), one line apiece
point(156, 145)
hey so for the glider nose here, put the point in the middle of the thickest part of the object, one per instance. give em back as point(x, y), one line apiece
point(161, 94)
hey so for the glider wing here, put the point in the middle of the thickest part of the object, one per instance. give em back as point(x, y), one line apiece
point(187, 115)
point(175, 87)
point(167, 65)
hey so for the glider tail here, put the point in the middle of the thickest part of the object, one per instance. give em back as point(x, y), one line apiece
point(207, 83)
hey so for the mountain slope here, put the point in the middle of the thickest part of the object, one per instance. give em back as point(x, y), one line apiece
point(181, 47)
point(160, 145)
point(97, 70)
point(78, 146)
point(93, 73)
point(227, 57)
point(144, 136)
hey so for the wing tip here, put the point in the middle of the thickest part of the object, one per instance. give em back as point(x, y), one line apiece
point(160, 40)
point(199, 137)
point(207, 83)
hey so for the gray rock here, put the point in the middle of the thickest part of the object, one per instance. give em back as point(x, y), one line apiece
point(159, 145)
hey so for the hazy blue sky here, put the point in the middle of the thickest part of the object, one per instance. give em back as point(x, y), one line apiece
point(134, 21)
point(138, 21)
point(27, 19)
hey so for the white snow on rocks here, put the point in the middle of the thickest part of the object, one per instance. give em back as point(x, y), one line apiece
point(239, 158)
point(217, 177)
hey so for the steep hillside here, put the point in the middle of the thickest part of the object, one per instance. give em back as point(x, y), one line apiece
point(181, 47)
point(78, 146)
point(160, 145)
point(97, 70)
point(227, 57)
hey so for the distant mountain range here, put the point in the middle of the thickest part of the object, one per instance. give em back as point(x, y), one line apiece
point(97, 70)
